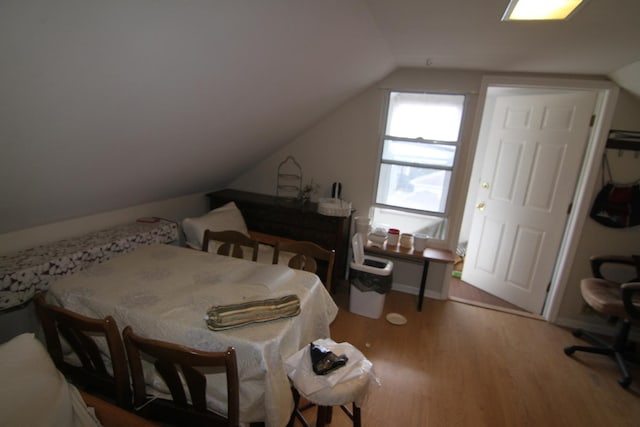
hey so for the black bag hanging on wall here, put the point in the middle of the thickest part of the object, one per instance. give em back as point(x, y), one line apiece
point(616, 205)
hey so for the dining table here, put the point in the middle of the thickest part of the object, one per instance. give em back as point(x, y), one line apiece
point(164, 292)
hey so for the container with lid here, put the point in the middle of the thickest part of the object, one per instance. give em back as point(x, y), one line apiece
point(420, 242)
point(406, 240)
point(393, 237)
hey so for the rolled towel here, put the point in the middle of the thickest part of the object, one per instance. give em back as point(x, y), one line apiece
point(234, 315)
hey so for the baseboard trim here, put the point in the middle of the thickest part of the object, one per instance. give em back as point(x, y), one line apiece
point(496, 308)
point(412, 290)
point(600, 329)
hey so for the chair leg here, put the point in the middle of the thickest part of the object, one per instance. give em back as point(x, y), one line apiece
point(324, 414)
point(615, 350)
point(297, 411)
point(625, 381)
point(354, 414)
point(597, 350)
point(357, 421)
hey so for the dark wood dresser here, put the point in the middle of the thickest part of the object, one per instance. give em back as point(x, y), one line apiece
point(291, 219)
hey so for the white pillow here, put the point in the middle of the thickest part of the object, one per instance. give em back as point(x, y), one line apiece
point(227, 217)
point(34, 392)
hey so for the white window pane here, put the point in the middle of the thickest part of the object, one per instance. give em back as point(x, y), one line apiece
point(419, 152)
point(428, 116)
point(413, 187)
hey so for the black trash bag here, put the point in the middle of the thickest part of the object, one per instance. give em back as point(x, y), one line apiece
point(366, 282)
point(324, 360)
point(617, 206)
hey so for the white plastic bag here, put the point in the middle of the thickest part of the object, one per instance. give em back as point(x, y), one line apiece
point(348, 383)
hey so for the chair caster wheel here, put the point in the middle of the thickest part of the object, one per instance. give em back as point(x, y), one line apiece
point(569, 351)
point(625, 382)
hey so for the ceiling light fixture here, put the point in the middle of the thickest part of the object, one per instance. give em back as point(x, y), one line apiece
point(532, 10)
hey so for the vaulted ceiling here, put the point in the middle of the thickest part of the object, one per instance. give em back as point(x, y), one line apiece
point(110, 104)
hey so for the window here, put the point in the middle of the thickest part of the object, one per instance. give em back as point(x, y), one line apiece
point(419, 148)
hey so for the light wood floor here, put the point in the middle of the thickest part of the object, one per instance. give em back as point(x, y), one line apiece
point(454, 364)
point(464, 292)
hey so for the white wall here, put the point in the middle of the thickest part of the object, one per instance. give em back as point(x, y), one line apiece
point(173, 209)
point(23, 319)
point(344, 145)
point(596, 238)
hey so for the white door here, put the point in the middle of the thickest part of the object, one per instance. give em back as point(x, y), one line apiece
point(531, 164)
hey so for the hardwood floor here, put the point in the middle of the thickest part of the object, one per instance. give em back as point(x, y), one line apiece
point(455, 364)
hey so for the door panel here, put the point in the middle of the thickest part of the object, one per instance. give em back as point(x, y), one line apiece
point(509, 155)
point(531, 164)
point(545, 173)
point(526, 250)
point(491, 232)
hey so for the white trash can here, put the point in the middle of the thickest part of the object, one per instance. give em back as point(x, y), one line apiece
point(371, 279)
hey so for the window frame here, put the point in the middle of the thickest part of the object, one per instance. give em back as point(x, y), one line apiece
point(453, 169)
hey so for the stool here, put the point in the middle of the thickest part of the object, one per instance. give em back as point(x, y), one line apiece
point(346, 385)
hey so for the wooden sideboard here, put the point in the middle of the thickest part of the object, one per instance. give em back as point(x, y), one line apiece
point(291, 219)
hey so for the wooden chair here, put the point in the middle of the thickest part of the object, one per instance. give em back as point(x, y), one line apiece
point(620, 301)
point(232, 243)
point(306, 256)
point(82, 334)
point(173, 361)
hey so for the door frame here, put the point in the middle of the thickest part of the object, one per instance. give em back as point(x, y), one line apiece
point(607, 93)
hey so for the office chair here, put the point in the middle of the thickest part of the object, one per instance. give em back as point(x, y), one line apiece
point(620, 301)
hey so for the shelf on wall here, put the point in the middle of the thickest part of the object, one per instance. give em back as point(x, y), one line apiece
point(624, 140)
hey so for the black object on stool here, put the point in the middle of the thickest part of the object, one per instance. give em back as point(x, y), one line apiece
point(348, 389)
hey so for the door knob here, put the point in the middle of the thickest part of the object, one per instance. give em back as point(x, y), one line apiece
point(485, 185)
point(480, 206)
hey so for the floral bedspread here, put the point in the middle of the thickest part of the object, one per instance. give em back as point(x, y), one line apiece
point(26, 272)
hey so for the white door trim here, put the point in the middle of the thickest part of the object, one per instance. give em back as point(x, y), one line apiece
point(605, 105)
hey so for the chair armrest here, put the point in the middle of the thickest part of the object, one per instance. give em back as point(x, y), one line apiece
point(597, 261)
point(628, 290)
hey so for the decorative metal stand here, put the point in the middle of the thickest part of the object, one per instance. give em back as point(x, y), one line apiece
point(289, 179)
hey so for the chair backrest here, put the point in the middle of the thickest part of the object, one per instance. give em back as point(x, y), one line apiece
point(626, 264)
point(232, 243)
point(306, 255)
point(82, 334)
point(614, 271)
point(174, 362)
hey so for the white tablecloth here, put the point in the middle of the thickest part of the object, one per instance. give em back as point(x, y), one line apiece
point(164, 292)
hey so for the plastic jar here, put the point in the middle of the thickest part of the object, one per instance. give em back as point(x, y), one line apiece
point(393, 237)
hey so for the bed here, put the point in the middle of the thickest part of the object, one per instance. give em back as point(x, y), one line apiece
point(32, 270)
point(35, 393)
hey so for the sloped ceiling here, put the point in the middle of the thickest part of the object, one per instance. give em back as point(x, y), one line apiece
point(110, 104)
